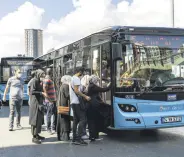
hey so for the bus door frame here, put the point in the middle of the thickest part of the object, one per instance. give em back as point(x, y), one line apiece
point(99, 46)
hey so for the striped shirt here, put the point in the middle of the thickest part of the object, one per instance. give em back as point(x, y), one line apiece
point(48, 84)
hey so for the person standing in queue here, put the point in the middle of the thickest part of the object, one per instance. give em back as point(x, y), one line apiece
point(50, 101)
point(16, 85)
point(29, 84)
point(63, 119)
point(98, 112)
point(36, 109)
point(83, 89)
point(79, 115)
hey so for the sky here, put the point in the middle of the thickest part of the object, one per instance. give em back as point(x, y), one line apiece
point(64, 21)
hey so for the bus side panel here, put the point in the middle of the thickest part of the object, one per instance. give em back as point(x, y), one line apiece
point(3, 86)
point(26, 97)
point(126, 120)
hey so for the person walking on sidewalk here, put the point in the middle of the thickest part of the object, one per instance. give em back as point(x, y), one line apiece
point(16, 85)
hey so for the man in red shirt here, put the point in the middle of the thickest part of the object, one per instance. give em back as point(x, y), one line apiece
point(50, 101)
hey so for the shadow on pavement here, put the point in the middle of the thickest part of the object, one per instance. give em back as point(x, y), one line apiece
point(144, 136)
point(116, 147)
point(4, 112)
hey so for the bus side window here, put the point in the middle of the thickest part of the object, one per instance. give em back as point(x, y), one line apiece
point(87, 64)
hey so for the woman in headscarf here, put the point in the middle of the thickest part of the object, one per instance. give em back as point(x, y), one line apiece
point(98, 112)
point(63, 121)
point(36, 109)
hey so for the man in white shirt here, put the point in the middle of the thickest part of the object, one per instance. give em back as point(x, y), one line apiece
point(79, 115)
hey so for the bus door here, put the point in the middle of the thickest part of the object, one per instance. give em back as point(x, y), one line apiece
point(101, 67)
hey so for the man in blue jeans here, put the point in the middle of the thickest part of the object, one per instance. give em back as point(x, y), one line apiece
point(16, 84)
point(50, 101)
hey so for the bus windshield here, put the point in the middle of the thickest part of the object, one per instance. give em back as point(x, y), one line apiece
point(25, 69)
point(10, 65)
point(151, 61)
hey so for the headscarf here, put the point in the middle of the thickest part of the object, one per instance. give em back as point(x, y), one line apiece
point(39, 73)
point(85, 80)
point(66, 79)
point(94, 79)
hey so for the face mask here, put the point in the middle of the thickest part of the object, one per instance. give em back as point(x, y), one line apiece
point(19, 75)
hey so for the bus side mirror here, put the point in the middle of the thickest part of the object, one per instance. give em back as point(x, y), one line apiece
point(117, 51)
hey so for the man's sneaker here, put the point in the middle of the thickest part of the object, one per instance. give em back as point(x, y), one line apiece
point(98, 139)
point(92, 139)
point(85, 137)
point(19, 126)
point(53, 132)
point(36, 141)
point(10, 129)
point(79, 142)
point(49, 131)
point(41, 137)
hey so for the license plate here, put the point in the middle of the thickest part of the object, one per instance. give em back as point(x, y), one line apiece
point(171, 119)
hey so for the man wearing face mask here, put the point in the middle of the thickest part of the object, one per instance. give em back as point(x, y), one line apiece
point(15, 84)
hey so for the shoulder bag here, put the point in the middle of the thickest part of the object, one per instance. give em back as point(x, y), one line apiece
point(63, 110)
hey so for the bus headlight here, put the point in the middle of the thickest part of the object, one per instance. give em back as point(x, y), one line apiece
point(127, 108)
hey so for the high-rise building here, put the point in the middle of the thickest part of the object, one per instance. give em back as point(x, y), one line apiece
point(33, 42)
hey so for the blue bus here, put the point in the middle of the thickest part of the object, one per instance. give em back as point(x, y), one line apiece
point(7, 68)
point(145, 66)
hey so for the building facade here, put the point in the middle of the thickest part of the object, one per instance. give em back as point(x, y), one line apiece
point(33, 42)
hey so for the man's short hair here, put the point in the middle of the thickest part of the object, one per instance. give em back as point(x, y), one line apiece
point(33, 73)
point(79, 70)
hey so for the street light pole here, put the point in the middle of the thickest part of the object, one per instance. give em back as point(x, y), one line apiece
point(172, 13)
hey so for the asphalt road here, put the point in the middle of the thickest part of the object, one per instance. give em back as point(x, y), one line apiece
point(162, 143)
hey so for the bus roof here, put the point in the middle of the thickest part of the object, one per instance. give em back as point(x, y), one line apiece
point(127, 29)
point(16, 57)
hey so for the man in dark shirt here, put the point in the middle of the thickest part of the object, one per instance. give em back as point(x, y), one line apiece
point(50, 101)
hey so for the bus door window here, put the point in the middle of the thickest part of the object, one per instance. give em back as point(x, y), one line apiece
point(96, 61)
point(105, 72)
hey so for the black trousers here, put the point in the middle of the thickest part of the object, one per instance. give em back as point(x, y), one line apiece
point(79, 119)
point(93, 123)
point(98, 118)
